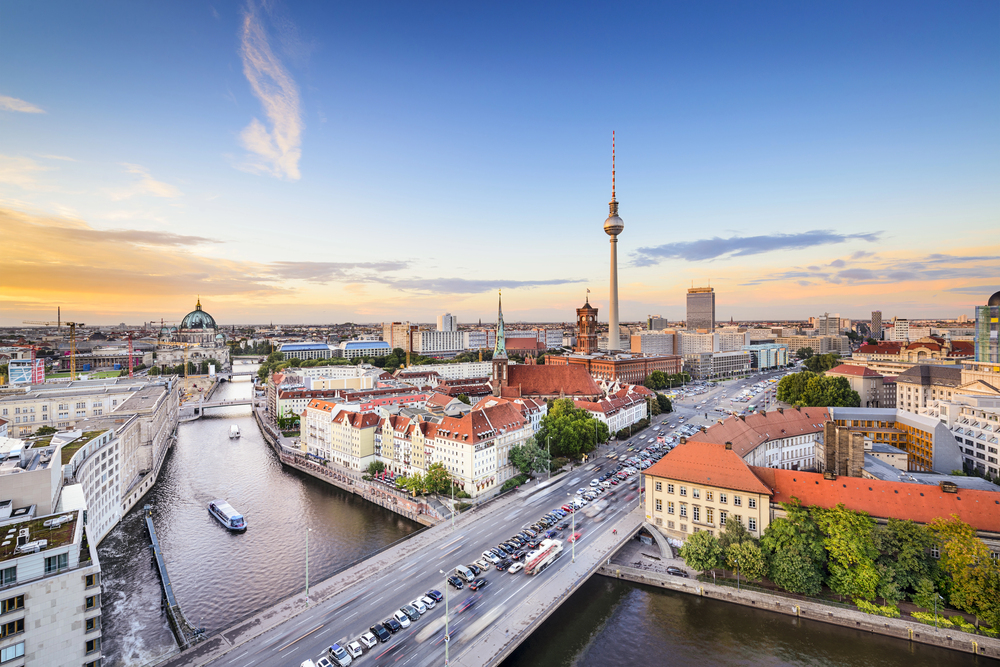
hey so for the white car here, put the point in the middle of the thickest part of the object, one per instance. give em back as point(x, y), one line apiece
point(354, 648)
point(491, 557)
point(419, 606)
point(428, 602)
point(401, 618)
point(482, 564)
point(369, 640)
point(515, 568)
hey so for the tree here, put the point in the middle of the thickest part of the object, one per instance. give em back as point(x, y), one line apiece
point(828, 391)
point(464, 398)
point(748, 559)
point(702, 552)
point(792, 386)
point(375, 468)
point(804, 352)
point(46, 430)
point(656, 380)
point(850, 546)
point(793, 547)
point(972, 576)
point(571, 431)
point(871, 341)
point(437, 479)
point(529, 457)
point(654, 407)
point(415, 483)
point(664, 403)
point(905, 548)
point(924, 593)
point(734, 533)
point(822, 363)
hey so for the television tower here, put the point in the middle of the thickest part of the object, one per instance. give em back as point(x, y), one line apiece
point(613, 226)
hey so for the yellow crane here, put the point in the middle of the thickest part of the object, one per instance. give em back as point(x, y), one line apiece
point(72, 342)
point(186, 347)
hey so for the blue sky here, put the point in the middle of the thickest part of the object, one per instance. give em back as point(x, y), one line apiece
point(328, 162)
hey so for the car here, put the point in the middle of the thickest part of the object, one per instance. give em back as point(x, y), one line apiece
point(518, 555)
point(676, 571)
point(323, 662)
point(410, 611)
point(402, 617)
point(455, 582)
point(504, 564)
point(580, 491)
point(434, 595)
point(515, 568)
point(368, 639)
point(483, 564)
point(354, 648)
point(478, 584)
point(429, 603)
point(614, 482)
point(475, 568)
point(574, 537)
point(392, 625)
point(381, 632)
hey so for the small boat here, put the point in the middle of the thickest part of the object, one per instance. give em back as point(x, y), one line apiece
point(234, 431)
point(227, 516)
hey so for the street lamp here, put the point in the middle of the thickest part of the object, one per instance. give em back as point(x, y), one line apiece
point(548, 450)
point(936, 596)
point(446, 637)
point(572, 536)
point(308, 530)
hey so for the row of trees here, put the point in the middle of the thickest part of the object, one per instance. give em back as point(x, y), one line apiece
point(436, 480)
point(660, 380)
point(807, 389)
point(817, 363)
point(570, 431)
point(530, 457)
point(856, 557)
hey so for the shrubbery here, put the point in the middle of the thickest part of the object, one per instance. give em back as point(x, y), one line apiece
point(889, 611)
point(512, 482)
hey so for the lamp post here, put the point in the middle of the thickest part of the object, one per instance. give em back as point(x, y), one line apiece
point(737, 573)
point(936, 596)
point(548, 450)
point(308, 530)
point(446, 637)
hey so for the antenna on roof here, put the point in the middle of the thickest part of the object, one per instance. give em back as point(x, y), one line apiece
point(612, 165)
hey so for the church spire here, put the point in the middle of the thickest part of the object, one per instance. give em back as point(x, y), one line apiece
point(500, 350)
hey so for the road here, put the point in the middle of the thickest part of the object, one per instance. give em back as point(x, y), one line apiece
point(350, 612)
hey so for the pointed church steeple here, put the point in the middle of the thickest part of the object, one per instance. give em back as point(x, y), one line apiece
point(500, 349)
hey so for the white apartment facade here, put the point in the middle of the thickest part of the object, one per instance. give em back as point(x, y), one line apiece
point(429, 343)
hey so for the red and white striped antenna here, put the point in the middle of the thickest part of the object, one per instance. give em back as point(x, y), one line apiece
point(612, 165)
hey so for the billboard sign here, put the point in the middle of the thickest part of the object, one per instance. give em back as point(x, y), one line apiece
point(26, 371)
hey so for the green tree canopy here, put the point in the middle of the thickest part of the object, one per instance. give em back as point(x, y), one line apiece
point(664, 403)
point(811, 390)
point(793, 547)
point(748, 558)
point(972, 575)
point(804, 352)
point(734, 533)
point(437, 479)
point(822, 362)
point(850, 547)
point(529, 457)
point(571, 431)
point(702, 552)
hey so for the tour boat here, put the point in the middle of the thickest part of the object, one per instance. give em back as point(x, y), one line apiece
point(227, 516)
point(234, 431)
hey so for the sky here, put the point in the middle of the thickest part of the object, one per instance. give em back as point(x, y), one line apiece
point(328, 162)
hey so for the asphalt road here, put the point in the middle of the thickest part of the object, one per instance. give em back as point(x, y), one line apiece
point(347, 615)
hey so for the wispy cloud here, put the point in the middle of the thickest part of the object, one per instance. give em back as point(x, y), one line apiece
point(146, 185)
point(739, 246)
point(324, 272)
point(14, 104)
point(275, 150)
point(20, 171)
point(466, 286)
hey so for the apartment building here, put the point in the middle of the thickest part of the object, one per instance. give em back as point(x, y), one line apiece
point(975, 423)
point(308, 351)
point(342, 436)
point(619, 410)
point(438, 343)
point(653, 343)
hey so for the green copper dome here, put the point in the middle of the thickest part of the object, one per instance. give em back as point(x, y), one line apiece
point(198, 319)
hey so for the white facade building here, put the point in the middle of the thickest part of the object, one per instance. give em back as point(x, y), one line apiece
point(479, 339)
point(430, 343)
point(653, 343)
point(447, 322)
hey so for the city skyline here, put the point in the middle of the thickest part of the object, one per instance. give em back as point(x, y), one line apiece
point(803, 160)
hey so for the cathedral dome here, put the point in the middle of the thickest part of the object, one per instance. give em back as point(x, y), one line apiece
point(198, 319)
point(994, 300)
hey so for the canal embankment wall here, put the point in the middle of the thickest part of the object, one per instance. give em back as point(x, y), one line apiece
point(813, 611)
point(351, 481)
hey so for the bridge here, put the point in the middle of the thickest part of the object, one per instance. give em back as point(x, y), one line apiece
point(490, 625)
point(186, 634)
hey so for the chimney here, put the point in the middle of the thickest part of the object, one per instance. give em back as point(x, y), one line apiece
point(683, 440)
point(829, 474)
point(729, 445)
point(704, 429)
point(781, 411)
point(949, 487)
point(763, 413)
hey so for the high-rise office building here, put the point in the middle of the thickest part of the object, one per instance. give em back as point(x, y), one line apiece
point(447, 322)
point(876, 325)
point(701, 309)
point(828, 325)
point(655, 323)
point(987, 332)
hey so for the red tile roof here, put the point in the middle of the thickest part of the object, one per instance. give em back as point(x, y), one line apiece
point(920, 502)
point(710, 464)
point(548, 380)
point(856, 371)
point(748, 433)
point(524, 345)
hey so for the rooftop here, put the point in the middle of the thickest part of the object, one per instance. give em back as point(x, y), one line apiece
point(300, 347)
point(56, 537)
point(710, 464)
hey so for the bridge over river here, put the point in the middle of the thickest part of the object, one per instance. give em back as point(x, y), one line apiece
point(485, 627)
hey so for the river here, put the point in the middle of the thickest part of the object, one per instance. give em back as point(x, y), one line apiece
point(221, 577)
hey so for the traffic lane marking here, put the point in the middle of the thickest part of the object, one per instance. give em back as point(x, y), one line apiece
point(300, 638)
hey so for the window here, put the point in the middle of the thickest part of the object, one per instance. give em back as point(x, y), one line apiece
point(659, 521)
point(670, 525)
point(11, 652)
point(11, 604)
point(722, 518)
point(709, 495)
point(935, 552)
point(670, 488)
point(722, 497)
point(93, 580)
point(56, 563)
point(659, 505)
point(752, 524)
point(8, 575)
point(659, 486)
point(93, 624)
point(670, 507)
point(752, 502)
point(708, 515)
point(12, 628)
point(696, 493)
point(94, 645)
point(684, 491)
point(684, 509)
point(697, 513)
point(93, 601)
point(737, 501)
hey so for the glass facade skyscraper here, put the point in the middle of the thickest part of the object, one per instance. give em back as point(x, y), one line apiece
point(988, 330)
point(701, 309)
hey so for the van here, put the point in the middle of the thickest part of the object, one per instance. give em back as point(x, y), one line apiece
point(308, 663)
point(465, 573)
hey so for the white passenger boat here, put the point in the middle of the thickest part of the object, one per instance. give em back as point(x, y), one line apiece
point(227, 516)
point(234, 431)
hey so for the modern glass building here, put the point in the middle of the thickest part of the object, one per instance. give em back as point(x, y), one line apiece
point(987, 317)
point(701, 309)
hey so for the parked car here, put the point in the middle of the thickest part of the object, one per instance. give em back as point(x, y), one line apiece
point(368, 639)
point(354, 648)
point(402, 617)
point(677, 572)
point(339, 655)
point(392, 625)
point(411, 612)
point(382, 633)
point(475, 568)
point(455, 582)
point(478, 584)
point(429, 603)
point(434, 595)
point(504, 564)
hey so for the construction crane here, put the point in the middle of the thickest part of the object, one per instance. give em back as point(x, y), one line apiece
point(72, 342)
point(186, 347)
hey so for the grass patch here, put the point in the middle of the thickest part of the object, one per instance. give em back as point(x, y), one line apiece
point(56, 537)
point(72, 448)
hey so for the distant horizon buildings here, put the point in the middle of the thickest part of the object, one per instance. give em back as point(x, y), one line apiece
point(447, 322)
point(876, 325)
point(700, 309)
point(988, 330)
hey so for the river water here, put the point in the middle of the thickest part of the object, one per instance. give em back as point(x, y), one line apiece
point(221, 577)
